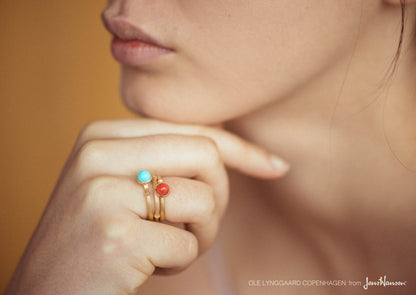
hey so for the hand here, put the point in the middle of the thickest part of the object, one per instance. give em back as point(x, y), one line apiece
point(94, 238)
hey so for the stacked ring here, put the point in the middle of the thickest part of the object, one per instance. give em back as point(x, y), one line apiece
point(144, 177)
point(160, 190)
point(156, 198)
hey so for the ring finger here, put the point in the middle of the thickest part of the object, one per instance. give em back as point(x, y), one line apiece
point(191, 202)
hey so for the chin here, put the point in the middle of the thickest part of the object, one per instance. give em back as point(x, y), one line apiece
point(168, 100)
point(161, 106)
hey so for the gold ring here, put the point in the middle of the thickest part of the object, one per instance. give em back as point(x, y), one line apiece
point(156, 198)
point(144, 177)
point(161, 190)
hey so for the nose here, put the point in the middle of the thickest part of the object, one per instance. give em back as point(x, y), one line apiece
point(123, 7)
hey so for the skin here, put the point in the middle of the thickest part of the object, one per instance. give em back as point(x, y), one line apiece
point(303, 79)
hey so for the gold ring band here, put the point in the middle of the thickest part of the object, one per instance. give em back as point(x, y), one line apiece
point(161, 190)
point(156, 198)
point(162, 208)
point(148, 201)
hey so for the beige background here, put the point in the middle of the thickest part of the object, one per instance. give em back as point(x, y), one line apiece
point(56, 74)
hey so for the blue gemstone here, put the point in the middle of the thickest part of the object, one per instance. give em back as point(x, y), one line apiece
point(144, 176)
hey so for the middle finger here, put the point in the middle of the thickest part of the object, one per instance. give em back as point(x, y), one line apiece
point(166, 155)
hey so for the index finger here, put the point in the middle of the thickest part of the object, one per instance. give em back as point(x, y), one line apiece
point(236, 152)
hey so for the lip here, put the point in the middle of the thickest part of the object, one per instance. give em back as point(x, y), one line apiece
point(135, 52)
point(131, 45)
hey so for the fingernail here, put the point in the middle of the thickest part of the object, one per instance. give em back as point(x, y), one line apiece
point(280, 164)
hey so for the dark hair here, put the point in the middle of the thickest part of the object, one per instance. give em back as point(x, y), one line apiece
point(392, 70)
point(393, 65)
point(385, 82)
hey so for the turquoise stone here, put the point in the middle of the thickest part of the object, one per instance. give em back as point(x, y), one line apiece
point(144, 176)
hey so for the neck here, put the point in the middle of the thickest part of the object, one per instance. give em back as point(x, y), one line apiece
point(350, 142)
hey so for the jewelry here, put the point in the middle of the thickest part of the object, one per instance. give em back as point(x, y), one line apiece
point(144, 177)
point(156, 198)
point(161, 190)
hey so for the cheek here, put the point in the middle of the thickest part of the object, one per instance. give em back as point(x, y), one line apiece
point(267, 49)
point(241, 58)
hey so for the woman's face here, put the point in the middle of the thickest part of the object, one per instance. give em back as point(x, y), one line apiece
point(233, 56)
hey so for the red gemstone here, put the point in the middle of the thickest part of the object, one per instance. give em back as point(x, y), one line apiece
point(162, 189)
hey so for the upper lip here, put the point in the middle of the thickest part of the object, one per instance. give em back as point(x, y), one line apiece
point(124, 29)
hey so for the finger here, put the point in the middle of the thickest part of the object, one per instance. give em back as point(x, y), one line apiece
point(148, 244)
point(193, 202)
point(257, 161)
point(190, 201)
point(179, 155)
point(166, 246)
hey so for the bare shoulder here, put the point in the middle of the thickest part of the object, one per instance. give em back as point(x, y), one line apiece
point(196, 279)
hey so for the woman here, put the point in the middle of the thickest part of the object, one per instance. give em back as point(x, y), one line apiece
point(224, 86)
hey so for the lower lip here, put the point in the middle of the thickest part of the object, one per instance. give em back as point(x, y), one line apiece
point(135, 52)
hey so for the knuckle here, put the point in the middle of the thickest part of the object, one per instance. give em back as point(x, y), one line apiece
point(210, 149)
point(115, 235)
point(170, 237)
point(89, 127)
point(98, 184)
point(207, 204)
point(209, 142)
point(91, 151)
point(184, 241)
point(87, 132)
point(96, 192)
point(99, 206)
point(191, 246)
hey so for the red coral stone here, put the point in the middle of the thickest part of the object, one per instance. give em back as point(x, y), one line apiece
point(162, 189)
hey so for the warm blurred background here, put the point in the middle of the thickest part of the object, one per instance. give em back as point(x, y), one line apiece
point(56, 74)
